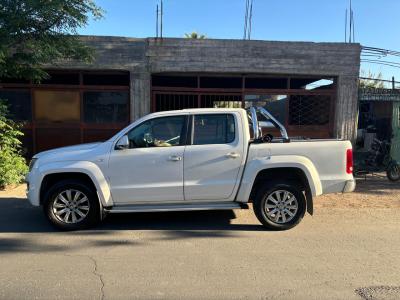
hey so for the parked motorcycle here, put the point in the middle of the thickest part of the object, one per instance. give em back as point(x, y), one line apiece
point(378, 160)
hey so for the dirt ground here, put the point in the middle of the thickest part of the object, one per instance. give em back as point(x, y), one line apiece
point(373, 191)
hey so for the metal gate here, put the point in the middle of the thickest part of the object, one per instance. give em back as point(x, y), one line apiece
point(163, 101)
point(395, 143)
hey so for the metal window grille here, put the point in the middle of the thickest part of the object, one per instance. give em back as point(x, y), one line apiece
point(309, 109)
point(175, 101)
point(221, 101)
point(170, 101)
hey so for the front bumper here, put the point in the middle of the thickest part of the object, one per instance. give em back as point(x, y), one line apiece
point(32, 191)
point(349, 186)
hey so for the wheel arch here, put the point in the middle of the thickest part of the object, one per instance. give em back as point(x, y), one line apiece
point(293, 174)
point(51, 179)
point(84, 171)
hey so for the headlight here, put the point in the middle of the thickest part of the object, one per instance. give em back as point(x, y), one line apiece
point(32, 163)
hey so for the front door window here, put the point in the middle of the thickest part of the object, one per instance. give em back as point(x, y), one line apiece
point(159, 132)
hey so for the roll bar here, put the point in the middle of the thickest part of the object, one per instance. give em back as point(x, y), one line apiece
point(257, 129)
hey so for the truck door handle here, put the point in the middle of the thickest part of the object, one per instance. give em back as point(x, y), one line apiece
point(175, 158)
point(232, 155)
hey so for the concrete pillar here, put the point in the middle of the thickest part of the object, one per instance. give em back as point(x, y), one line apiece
point(346, 108)
point(140, 94)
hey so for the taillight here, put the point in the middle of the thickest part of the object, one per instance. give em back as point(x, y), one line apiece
point(349, 161)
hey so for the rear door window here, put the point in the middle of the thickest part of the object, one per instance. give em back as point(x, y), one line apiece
point(213, 129)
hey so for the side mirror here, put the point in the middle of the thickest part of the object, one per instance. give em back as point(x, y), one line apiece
point(123, 143)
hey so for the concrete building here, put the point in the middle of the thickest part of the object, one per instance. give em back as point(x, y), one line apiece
point(310, 87)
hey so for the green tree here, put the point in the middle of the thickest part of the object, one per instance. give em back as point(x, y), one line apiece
point(371, 81)
point(195, 35)
point(12, 165)
point(35, 33)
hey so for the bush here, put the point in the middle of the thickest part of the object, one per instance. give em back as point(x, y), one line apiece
point(12, 164)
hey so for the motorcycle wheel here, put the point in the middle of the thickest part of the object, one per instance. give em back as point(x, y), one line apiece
point(393, 172)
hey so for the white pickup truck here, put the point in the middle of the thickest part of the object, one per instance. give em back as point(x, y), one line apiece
point(197, 159)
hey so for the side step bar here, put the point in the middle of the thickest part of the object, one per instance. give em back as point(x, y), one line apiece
point(119, 209)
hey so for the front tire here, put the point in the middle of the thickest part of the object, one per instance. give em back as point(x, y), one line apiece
point(71, 205)
point(279, 205)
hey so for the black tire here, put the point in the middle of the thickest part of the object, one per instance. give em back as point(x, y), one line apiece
point(393, 172)
point(269, 189)
point(92, 214)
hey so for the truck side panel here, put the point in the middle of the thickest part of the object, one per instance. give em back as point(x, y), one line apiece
point(323, 162)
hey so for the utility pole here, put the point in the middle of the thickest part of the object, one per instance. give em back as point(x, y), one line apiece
point(157, 12)
point(248, 16)
point(345, 27)
point(161, 25)
point(349, 19)
point(159, 20)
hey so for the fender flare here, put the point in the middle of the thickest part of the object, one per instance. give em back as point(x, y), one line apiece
point(274, 162)
point(85, 167)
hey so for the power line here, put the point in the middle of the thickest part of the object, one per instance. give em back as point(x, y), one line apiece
point(382, 63)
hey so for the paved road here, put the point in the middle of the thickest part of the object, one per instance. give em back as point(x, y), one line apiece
point(201, 255)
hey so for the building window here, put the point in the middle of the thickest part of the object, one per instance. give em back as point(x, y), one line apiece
point(309, 110)
point(315, 83)
point(105, 107)
point(106, 79)
point(174, 81)
point(18, 103)
point(221, 82)
point(62, 78)
point(213, 129)
point(266, 83)
point(57, 106)
point(275, 104)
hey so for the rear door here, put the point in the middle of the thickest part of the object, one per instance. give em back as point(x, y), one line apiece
point(213, 160)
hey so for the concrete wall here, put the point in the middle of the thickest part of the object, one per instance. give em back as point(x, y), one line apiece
point(238, 56)
point(142, 57)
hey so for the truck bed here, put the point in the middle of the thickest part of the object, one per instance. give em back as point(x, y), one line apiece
point(327, 156)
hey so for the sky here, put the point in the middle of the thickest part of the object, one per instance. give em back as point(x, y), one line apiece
point(377, 22)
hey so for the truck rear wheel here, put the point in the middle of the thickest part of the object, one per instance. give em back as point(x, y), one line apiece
point(279, 205)
point(71, 205)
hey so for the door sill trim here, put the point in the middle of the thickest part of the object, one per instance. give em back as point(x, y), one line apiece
point(118, 209)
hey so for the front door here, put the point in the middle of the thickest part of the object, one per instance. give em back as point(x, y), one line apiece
point(151, 170)
point(214, 158)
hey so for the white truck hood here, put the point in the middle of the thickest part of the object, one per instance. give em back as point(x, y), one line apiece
point(76, 152)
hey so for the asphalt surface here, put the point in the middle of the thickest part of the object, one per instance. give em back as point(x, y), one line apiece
point(340, 253)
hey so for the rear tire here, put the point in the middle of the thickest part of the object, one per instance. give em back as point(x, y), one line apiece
point(280, 205)
point(393, 172)
point(71, 205)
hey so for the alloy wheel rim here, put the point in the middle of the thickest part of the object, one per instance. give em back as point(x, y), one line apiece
point(281, 206)
point(71, 206)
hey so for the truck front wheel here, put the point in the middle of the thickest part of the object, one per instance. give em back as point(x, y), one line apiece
point(71, 205)
point(279, 205)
